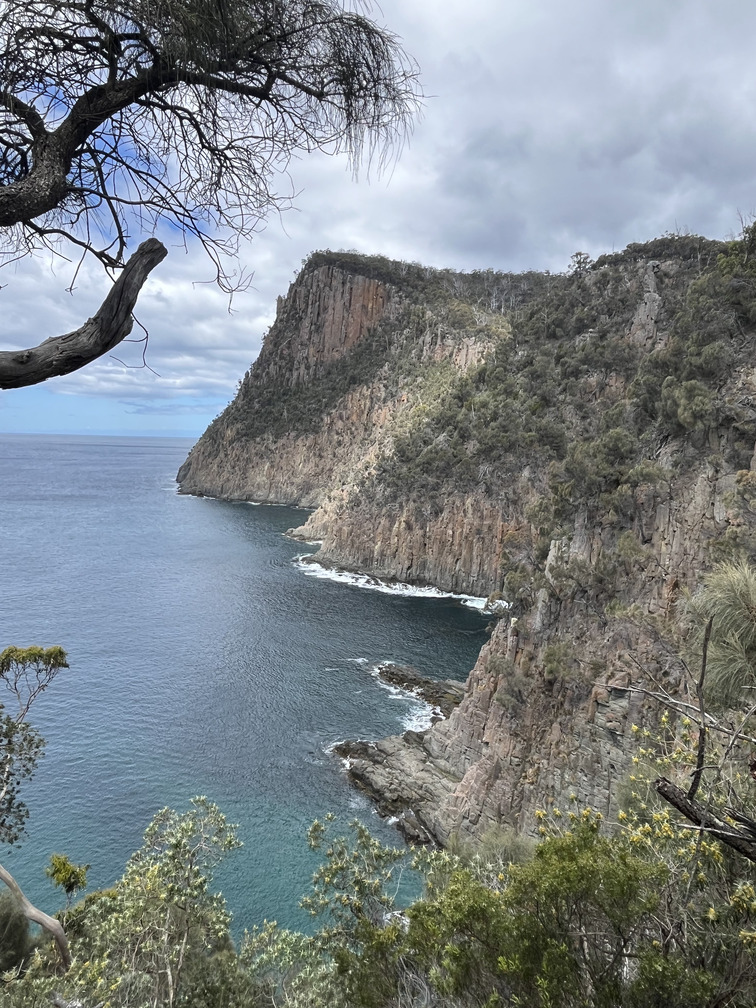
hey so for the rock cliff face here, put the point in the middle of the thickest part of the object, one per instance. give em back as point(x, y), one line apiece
point(460, 550)
point(549, 710)
point(582, 446)
point(348, 361)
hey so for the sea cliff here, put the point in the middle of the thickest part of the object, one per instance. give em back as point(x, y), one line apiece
point(580, 445)
point(351, 359)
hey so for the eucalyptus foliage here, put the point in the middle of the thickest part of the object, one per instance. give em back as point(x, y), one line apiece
point(642, 916)
point(149, 939)
point(25, 673)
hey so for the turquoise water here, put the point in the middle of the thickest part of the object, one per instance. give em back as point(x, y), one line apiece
point(203, 661)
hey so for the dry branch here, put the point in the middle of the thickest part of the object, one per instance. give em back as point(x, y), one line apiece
point(60, 355)
point(697, 814)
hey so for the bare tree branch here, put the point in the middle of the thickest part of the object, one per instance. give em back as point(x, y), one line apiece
point(118, 117)
point(701, 755)
point(186, 111)
point(695, 813)
point(688, 710)
point(60, 355)
point(31, 118)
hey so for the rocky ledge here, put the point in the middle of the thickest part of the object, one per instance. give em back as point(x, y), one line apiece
point(442, 694)
point(372, 765)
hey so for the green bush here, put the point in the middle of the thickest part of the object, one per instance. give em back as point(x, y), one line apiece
point(16, 943)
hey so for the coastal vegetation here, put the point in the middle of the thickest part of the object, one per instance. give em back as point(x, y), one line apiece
point(597, 388)
point(609, 399)
point(569, 384)
point(534, 399)
point(653, 908)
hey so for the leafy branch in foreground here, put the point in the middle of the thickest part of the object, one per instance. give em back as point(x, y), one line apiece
point(159, 936)
point(646, 917)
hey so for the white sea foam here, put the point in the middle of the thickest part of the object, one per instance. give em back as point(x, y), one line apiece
point(358, 802)
point(314, 569)
point(420, 715)
point(472, 601)
point(275, 504)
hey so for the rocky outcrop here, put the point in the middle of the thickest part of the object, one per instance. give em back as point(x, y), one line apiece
point(461, 550)
point(324, 317)
point(552, 709)
point(348, 362)
point(299, 468)
point(442, 694)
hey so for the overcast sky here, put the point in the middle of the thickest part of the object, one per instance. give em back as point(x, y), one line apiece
point(548, 128)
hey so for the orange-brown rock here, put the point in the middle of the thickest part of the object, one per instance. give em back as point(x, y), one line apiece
point(332, 323)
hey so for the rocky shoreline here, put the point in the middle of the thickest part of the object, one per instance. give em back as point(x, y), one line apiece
point(442, 694)
point(526, 453)
point(363, 759)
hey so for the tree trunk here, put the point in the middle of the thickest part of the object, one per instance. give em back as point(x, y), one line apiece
point(50, 924)
point(60, 355)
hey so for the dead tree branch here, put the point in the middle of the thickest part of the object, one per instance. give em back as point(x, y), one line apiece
point(60, 355)
point(695, 813)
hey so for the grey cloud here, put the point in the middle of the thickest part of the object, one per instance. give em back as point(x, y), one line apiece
point(553, 127)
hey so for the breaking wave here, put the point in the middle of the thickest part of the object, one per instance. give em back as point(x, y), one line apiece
point(313, 569)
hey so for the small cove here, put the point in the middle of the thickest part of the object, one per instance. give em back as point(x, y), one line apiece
point(203, 661)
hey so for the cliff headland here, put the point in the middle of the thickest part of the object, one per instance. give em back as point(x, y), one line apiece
point(579, 445)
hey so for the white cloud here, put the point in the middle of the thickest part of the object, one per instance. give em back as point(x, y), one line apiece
point(549, 127)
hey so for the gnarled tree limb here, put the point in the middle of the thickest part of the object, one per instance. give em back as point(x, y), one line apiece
point(697, 814)
point(115, 114)
point(50, 924)
point(60, 355)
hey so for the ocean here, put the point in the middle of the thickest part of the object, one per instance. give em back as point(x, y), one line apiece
point(204, 659)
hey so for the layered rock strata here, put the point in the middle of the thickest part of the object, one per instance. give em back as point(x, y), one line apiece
point(346, 364)
point(552, 709)
point(461, 550)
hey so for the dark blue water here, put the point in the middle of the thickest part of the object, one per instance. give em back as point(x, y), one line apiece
point(203, 661)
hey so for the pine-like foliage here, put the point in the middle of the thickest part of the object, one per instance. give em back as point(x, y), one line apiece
point(727, 598)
